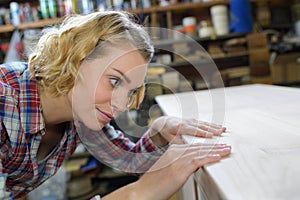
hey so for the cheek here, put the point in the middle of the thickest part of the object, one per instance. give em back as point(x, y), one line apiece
point(103, 95)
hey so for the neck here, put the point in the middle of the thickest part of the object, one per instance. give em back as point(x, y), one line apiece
point(56, 110)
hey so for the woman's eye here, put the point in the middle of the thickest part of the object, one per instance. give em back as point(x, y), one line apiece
point(114, 82)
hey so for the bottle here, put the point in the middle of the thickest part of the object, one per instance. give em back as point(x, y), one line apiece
point(52, 8)
point(21, 13)
point(27, 12)
point(60, 8)
point(69, 7)
point(15, 17)
point(44, 9)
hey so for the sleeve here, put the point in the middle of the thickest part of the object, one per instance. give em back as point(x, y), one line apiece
point(111, 147)
point(4, 194)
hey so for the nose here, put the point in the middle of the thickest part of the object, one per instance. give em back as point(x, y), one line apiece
point(119, 101)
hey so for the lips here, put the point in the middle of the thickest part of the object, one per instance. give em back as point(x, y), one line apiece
point(105, 116)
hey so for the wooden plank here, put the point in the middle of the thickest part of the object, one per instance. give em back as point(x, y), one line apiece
point(264, 131)
point(258, 167)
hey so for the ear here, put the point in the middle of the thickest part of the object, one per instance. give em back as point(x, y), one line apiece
point(136, 99)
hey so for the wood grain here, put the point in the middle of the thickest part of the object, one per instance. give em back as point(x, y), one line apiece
point(264, 131)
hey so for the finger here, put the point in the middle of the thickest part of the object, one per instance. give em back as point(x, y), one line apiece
point(211, 129)
point(184, 156)
point(215, 126)
point(202, 129)
point(205, 125)
point(199, 145)
point(195, 131)
point(221, 151)
point(199, 150)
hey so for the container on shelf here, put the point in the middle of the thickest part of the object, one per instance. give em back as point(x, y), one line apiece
point(189, 24)
point(52, 8)
point(44, 9)
point(219, 15)
point(84, 6)
point(27, 12)
point(60, 8)
point(241, 16)
point(206, 29)
point(14, 10)
point(146, 3)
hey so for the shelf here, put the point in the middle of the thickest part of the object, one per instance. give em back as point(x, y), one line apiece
point(179, 6)
point(235, 61)
point(37, 24)
point(6, 28)
point(165, 42)
point(40, 23)
point(153, 9)
point(184, 6)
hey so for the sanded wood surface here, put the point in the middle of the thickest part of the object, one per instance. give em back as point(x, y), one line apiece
point(263, 123)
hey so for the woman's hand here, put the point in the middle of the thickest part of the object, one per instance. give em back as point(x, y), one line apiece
point(171, 171)
point(175, 166)
point(169, 129)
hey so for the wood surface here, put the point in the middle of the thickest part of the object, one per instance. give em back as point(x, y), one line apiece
point(264, 130)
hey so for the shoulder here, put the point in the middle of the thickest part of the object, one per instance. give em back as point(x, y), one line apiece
point(12, 68)
point(10, 73)
point(11, 76)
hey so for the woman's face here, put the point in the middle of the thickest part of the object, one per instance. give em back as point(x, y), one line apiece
point(105, 85)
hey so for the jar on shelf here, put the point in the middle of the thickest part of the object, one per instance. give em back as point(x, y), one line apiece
point(206, 29)
point(15, 16)
point(219, 15)
point(189, 24)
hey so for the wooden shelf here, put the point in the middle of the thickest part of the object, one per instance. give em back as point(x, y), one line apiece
point(40, 23)
point(179, 6)
point(6, 28)
point(166, 42)
point(235, 61)
point(185, 6)
point(153, 9)
point(37, 24)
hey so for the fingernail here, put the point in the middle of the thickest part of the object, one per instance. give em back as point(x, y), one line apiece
point(224, 145)
point(215, 155)
point(226, 149)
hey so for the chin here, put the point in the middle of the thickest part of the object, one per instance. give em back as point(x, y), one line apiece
point(98, 127)
point(94, 125)
point(92, 121)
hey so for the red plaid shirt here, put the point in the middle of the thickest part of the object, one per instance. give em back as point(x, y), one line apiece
point(22, 126)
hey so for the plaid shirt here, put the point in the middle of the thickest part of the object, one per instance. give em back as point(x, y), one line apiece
point(22, 126)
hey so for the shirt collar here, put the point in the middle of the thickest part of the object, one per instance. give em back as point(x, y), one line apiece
point(30, 106)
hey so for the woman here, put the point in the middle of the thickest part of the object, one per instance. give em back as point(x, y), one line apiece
point(81, 76)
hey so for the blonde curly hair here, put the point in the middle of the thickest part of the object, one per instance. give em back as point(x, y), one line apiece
point(60, 51)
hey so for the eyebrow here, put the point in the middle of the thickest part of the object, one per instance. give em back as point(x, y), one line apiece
point(123, 75)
